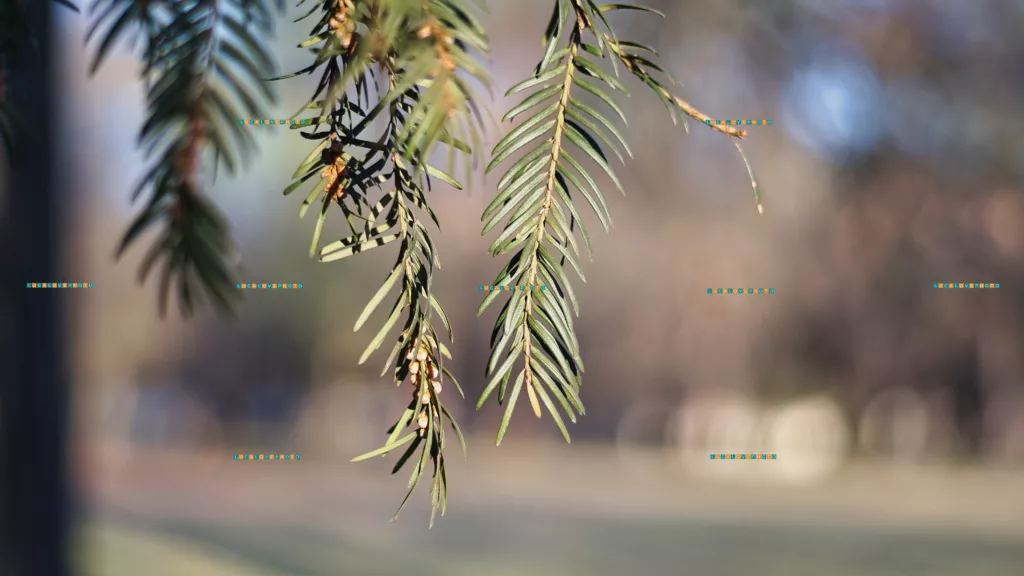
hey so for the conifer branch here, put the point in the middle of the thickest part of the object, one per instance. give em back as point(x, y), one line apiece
point(537, 324)
point(535, 201)
point(405, 64)
point(201, 60)
point(398, 82)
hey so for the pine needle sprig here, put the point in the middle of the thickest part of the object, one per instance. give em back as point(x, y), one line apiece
point(561, 152)
point(417, 357)
point(203, 61)
point(535, 203)
point(435, 46)
point(404, 65)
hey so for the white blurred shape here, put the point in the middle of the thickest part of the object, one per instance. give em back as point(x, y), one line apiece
point(811, 439)
point(715, 425)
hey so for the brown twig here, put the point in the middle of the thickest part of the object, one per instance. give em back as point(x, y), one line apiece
point(703, 118)
point(683, 104)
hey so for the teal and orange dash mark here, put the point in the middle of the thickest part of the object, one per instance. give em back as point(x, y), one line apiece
point(741, 290)
point(743, 122)
point(268, 456)
point(267, 122)
point(58, 285)
point(958, 285)
point(265, 286)
point(744, 457)
point(513, 288)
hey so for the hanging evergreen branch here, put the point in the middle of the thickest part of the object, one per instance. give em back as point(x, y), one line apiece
point(558, 143)
point(202, 61)
point(397, 78)
point(404, 64)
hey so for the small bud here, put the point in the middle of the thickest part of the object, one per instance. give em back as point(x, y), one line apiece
point(409, 355)
point(414, 368)
point(422, 420)
point(421, 355)
point(434, 372)
point(423, 32)
point(425, 399)
point(437, 387)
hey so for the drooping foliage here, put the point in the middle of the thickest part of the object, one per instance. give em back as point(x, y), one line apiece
point(563, 151)
point(204, 65)
point(396, 82)
point(397, 89)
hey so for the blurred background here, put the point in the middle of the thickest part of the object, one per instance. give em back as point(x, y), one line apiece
point(895, 161)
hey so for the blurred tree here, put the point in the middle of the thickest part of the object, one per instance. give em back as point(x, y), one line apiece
point(398, 82)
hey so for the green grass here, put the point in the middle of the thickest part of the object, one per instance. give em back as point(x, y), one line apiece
point(108, 550)
point(503, 542)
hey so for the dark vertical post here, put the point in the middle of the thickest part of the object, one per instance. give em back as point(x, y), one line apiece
point(34, 402)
